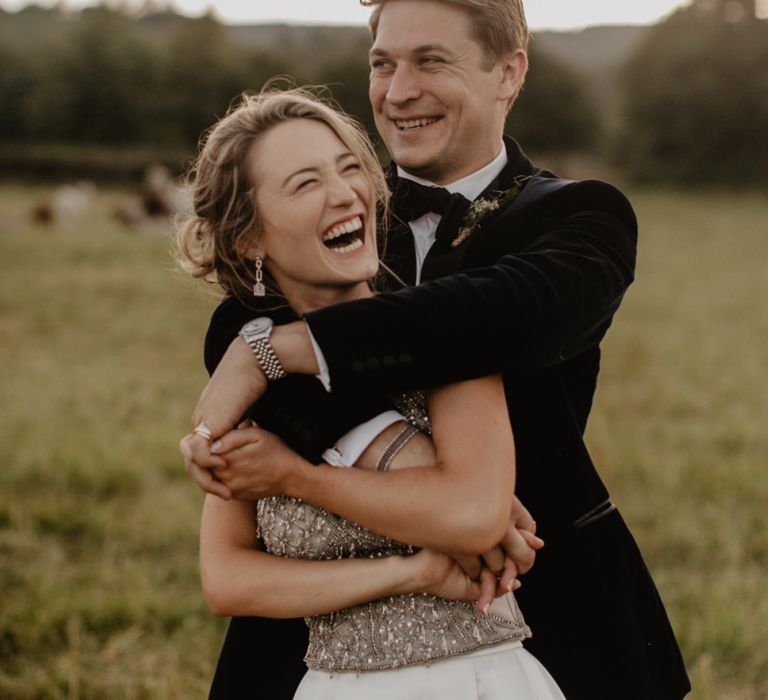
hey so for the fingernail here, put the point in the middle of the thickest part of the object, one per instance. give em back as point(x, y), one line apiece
point(515, 584)
point(484, 609)
point(216, 446)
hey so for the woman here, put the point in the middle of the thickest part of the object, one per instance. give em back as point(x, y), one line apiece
point(286, 196)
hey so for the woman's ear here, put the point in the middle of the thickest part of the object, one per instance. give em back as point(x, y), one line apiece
point(250, 247)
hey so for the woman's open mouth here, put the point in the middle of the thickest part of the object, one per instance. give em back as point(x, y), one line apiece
point(345, 237)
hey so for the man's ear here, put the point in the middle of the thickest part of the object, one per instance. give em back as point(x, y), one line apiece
point(514, 68)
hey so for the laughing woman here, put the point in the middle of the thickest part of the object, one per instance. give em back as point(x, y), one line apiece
point(286, 195)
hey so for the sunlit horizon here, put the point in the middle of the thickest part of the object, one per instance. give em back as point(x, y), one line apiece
point(542, 14)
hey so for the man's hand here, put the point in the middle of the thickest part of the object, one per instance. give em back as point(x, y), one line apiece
point(256, 462)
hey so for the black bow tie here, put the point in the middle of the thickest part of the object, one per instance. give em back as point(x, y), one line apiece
point(412, 200)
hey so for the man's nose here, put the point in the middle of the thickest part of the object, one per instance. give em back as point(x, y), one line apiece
point(403, 85)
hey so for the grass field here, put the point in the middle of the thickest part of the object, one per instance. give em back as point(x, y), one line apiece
point(101, 365)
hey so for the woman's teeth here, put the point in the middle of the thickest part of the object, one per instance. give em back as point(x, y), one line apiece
point(354, 245)
point(345, 237)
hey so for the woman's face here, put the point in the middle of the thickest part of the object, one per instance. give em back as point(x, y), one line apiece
point(318, 212)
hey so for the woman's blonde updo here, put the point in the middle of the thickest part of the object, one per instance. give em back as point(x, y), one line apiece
point(225, 222)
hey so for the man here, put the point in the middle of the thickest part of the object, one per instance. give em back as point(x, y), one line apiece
point(524, 281)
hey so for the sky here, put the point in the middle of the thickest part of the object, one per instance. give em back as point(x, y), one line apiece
point(542, 14)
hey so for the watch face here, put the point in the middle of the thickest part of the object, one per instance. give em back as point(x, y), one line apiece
point(258, 327)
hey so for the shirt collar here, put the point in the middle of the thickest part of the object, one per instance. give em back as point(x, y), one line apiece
point(472, 185)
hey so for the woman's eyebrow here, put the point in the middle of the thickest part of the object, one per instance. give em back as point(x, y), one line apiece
point(315, 169)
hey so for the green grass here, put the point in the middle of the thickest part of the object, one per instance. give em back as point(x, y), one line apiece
point(101, 365)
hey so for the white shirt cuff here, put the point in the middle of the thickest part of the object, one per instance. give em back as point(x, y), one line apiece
point(325, 375)
point(349, 447)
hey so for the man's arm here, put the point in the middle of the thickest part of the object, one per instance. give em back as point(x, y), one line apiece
point(533, 308)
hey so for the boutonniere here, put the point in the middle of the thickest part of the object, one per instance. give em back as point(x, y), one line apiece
point(482, 208)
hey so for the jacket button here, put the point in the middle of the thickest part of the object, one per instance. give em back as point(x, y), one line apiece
point(358, 367)
point(405, 358)
point(389, 360)
point(373, 364)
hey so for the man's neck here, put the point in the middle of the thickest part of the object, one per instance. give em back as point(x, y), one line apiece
point(470, 185)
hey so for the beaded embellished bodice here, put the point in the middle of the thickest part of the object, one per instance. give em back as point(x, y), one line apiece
point(390, 632)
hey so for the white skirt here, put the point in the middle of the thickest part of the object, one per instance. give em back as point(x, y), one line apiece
point(501, 672)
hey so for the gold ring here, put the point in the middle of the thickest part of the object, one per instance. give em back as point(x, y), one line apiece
point(203, 431)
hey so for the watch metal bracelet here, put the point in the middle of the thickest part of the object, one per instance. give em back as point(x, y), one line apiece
point(265, 356)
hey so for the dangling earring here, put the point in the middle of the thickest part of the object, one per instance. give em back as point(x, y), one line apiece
point(259, 290)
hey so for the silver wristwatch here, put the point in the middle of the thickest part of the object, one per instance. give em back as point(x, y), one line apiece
point(256, 333)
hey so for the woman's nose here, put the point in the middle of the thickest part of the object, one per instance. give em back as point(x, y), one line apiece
point(340, 192)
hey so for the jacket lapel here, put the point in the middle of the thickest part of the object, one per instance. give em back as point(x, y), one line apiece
point(446, 260)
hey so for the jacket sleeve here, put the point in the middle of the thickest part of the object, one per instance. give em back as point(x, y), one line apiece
point(297, 408)
point(551, 299)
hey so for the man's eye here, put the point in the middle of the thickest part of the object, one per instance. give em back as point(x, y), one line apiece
point(430, 60)
point(380, 64)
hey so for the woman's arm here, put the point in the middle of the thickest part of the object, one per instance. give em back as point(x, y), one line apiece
point(239, 579)
point(460, 500)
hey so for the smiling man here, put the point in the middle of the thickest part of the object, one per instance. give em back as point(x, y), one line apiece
point(438, 98)
point(521, 274)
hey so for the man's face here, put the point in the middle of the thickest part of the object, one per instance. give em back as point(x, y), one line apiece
point(438, 108)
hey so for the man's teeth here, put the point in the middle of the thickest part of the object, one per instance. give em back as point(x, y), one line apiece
point(342, 229)
point(357, 243)
point(414, 123)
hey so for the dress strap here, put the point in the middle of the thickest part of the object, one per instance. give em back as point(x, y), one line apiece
point(398, 443)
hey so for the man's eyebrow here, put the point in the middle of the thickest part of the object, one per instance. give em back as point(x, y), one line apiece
point(313, 169)
point(423, 48)
point(430, 48)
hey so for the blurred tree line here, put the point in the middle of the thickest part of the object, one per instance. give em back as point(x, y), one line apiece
point(695, 92)
point(695, 97)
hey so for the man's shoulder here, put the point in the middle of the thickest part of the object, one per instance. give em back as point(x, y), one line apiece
point(546, 195)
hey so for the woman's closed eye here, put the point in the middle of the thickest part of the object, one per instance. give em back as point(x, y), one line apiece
point(306, 184)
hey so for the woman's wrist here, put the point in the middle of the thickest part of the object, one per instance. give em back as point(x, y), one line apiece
point(414, 574)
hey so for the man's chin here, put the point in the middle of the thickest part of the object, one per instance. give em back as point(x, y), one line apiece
point(418, 164)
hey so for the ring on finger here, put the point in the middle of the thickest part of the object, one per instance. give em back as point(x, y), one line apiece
point(203, 431)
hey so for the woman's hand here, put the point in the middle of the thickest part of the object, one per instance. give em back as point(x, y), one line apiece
point(257, 462)
point(440, 575)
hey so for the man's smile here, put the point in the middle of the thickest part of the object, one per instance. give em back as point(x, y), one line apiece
point(411, 124)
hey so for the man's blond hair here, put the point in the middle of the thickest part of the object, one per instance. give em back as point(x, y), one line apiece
point(499, 26)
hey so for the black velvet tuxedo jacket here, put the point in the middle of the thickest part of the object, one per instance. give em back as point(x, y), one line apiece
point(530, 294)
